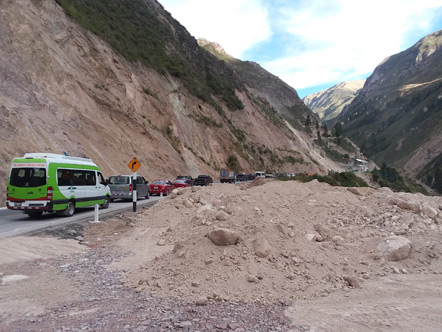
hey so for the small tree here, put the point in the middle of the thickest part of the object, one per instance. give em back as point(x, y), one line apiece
point(438, 180)
point(233, 163)
point(308, 123)
point(338, 131)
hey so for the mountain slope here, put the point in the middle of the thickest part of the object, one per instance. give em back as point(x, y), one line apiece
point(264, 87)
point(329, 103)
point(397, 117)
point(63, 88)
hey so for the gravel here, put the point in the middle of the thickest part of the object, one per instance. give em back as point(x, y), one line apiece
point(105, 304)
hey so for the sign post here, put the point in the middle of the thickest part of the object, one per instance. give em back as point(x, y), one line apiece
point(134, 165)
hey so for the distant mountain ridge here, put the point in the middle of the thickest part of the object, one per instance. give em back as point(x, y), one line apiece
point(329, 103)
point(397, 116)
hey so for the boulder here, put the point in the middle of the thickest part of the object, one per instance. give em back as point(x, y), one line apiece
point(326, 232)
point(177, 247)
point(311, 237)
point(407, 205)
point(252, 279)
point(430, 211)
point(223, 237)
point(261, 247)
point(395, 248)
point(222, 215)
point(188, 204)
point(355, 191)
point(202, 300)
point(352, 281)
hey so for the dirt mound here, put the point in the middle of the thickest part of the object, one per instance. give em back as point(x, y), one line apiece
point(296, 241)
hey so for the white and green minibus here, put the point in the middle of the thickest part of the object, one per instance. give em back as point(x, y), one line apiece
point(47, 182)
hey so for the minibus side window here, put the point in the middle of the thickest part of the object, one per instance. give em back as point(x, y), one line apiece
point(75, 177)
point(65, 177)
point(101, 179)
point(90, 178)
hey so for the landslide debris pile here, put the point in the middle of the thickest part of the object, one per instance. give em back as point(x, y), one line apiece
point(282, 241)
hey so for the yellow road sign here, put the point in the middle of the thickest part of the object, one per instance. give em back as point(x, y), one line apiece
point(134, 165)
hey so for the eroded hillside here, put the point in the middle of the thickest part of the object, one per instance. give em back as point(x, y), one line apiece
point(63, 89)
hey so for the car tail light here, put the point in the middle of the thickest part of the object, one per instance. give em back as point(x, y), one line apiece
point(130, 187)
point(49, 194)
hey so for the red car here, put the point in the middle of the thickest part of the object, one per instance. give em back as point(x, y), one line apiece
point(164, 187)
point(181, 183)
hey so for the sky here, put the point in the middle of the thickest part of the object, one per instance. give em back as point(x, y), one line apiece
point(310, 44)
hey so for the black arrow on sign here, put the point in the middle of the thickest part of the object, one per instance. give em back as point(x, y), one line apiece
point(134, 163)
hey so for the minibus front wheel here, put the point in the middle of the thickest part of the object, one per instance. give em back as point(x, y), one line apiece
point(106, 203)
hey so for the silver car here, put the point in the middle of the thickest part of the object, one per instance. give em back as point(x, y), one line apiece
point(121, 187)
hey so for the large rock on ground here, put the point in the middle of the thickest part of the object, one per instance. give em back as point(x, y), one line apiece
point(261, 247)
point(395, 248)
point(325, 231)
point(223, 237)
point(406, 205)
point(430, 211)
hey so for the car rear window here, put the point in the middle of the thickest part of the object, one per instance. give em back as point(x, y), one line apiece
point(119, 180)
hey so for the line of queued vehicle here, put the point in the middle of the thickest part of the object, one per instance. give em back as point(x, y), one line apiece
point(122, 187)
point(58, 183)
point(53, 183)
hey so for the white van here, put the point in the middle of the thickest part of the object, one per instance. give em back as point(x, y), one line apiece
point(259, 175)
point(47, 182)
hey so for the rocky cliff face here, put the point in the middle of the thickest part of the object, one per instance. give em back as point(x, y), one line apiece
point(397, 117)
point(64, 89)
point(329, 103)
point(275, 96)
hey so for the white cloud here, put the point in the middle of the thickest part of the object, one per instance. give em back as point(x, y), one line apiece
point(236, 25)
point(325, 41)
point(344, 39)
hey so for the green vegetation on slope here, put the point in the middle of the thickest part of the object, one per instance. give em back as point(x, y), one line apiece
point(344, 179)
point(380, 123)
point(389, 177)
point(140, 32)
point(431, 174)
point(400, 109)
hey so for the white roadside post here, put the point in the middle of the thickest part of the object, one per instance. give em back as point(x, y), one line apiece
point(96, 213)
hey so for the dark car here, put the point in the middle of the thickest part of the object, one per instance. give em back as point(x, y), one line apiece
point(203, 180)
point(186, 178)
point(241, 177)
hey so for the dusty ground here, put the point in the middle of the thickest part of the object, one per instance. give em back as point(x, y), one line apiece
point(309, 257)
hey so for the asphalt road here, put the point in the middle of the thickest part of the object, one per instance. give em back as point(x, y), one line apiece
point(14, 223)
